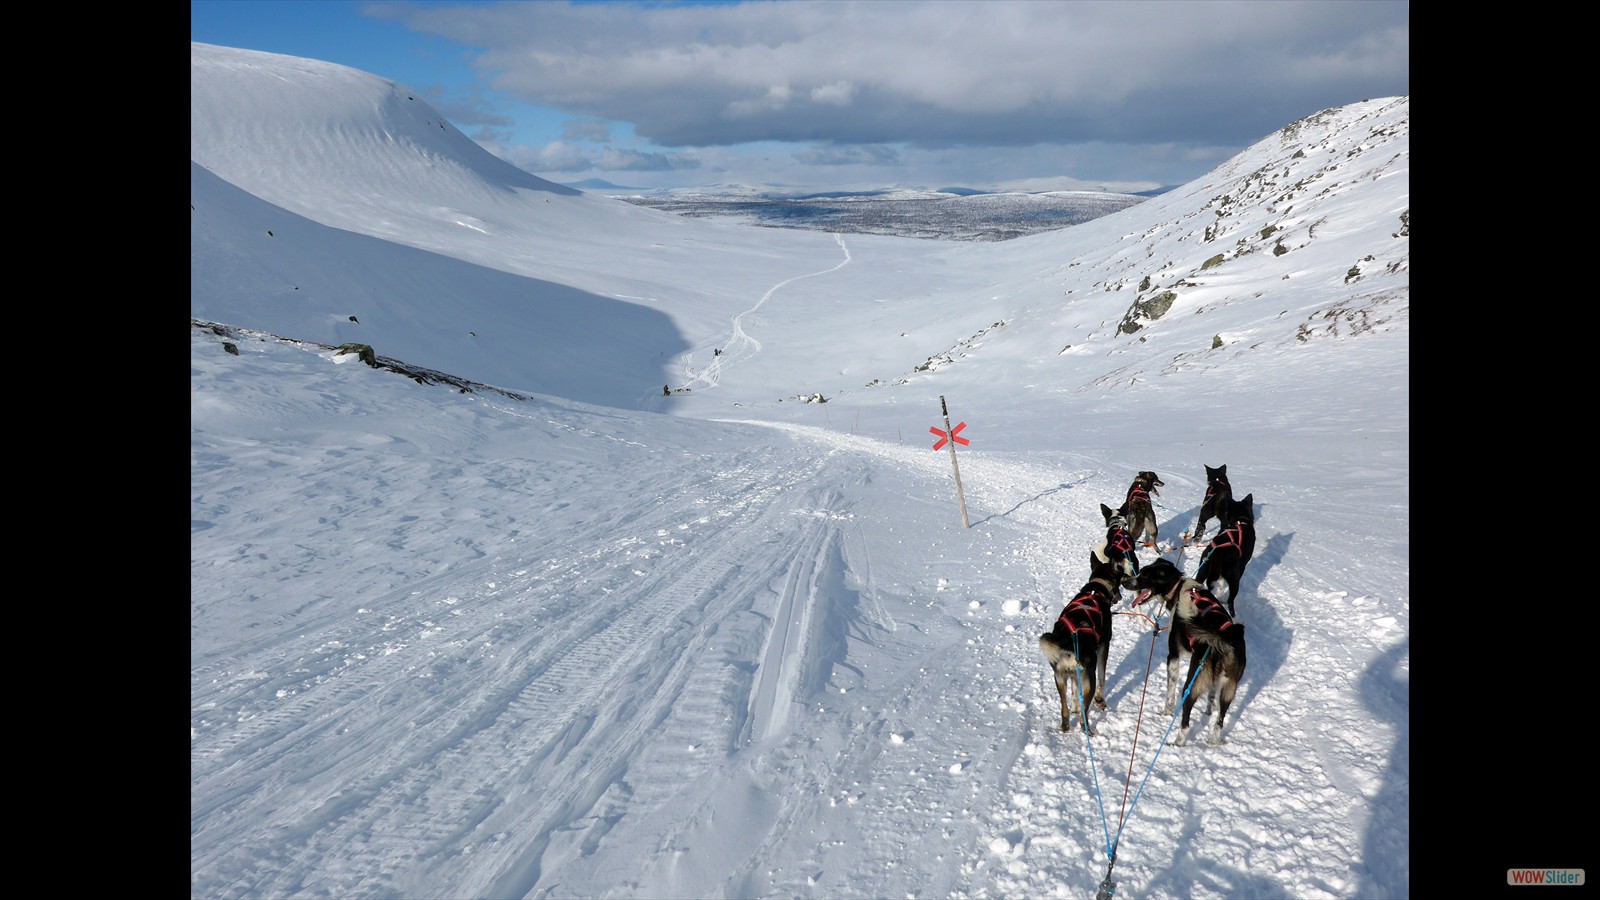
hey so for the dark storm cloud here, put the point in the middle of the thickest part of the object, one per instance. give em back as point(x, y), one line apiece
point(936, 74)
point(848, 156)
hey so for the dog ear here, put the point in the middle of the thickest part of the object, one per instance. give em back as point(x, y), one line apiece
point(1106, 511)
point(1158, 575)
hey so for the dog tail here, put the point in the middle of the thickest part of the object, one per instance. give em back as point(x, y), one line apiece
point(1228, 639)
point(1063, 651)
point(1054, 653)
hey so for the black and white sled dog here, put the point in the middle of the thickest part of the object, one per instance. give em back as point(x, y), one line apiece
point(1078, 645)
point(1201, 630)
point(1141, 513)
point(1222, 564)
point(1117, 547)
point(1219, 493)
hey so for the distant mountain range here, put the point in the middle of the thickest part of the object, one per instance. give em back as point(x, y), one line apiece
point(743, 191)
point(600, 186)
point(951, 213)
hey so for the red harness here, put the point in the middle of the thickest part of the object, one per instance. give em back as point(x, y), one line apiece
point(1232, 536)
point(1088, 606)
point(1119, 539)
point(1209, 612)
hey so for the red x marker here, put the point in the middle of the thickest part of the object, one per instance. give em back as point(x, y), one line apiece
point(954, 435)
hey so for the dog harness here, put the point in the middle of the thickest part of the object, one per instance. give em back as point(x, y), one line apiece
point(1211, 489)
point(1139, 494)
point(1084, 613)
point(1209, 612)
point(1119, 547)
point(1119, 538)
point(1232, 536)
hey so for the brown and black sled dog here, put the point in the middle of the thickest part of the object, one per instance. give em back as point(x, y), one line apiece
point(1201, 630)
point(1140, 511)
point(1117, 548)
point(1077, 646)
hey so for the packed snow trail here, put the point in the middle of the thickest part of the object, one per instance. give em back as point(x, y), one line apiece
point(615, 662)
point(514, 687)
point(740, 345)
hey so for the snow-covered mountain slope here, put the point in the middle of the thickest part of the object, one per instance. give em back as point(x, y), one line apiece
point(1308, 231)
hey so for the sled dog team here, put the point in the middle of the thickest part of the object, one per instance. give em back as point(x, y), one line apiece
point(1202, 627)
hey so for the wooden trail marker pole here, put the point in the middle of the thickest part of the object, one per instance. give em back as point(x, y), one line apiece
point(952, 436)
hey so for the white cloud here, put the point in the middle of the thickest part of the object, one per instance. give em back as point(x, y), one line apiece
point(949, 72)
point(561, 156)
point(776, 98)
point(838, 93)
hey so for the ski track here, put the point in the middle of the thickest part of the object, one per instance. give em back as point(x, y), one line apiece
point(412, 695)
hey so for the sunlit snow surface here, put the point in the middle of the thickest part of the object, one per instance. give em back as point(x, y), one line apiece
point(565, 635)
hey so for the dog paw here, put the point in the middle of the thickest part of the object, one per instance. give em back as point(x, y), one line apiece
point(1099, 703)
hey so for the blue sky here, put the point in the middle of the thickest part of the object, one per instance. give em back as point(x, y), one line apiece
point(331, 30)
point(355, 35)
point(803, 95)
